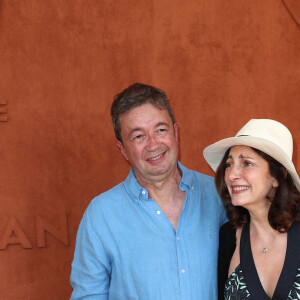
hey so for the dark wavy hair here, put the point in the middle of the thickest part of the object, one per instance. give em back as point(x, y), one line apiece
point(134, 96)
point(285, 205)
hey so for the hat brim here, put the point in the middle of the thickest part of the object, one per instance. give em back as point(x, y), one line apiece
point(214, 153)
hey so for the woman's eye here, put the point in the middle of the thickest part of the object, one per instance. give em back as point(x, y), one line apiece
point(248, 163)
point(228, 165)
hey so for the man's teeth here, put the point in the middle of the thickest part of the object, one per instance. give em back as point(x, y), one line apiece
point(240, 188)
point(157, 157)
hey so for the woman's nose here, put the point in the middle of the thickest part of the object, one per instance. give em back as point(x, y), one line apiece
point(234, 173)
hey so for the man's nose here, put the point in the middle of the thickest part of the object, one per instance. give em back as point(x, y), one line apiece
point(152, 142)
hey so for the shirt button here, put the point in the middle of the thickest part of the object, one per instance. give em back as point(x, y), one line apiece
point(182, 271)
point(158, 212)
point(193, 188)
point(178, 238)
point(143, 192)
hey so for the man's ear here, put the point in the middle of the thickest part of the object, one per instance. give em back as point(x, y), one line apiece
point(120, 146)
point(176, 131)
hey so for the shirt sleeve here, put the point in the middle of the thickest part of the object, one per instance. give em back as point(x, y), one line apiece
point(91, 266)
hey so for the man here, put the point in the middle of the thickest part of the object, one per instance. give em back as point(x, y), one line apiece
point(155, 235)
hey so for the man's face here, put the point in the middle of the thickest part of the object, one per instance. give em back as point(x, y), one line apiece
point(149, 143)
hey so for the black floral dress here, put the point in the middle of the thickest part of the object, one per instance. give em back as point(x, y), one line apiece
point(236, 287)
point(244, 282)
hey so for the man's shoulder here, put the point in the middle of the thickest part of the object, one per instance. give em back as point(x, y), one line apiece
point(201, 177)
point(113, 194)
point(104, 209)
point(204, 177)
point(106, 204)
point(206, 183)
point(200, 182)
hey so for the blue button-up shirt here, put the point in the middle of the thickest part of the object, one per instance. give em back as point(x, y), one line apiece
point(127, 249)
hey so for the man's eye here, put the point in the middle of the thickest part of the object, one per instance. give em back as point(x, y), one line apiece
point(138, 137)
point(161, 130)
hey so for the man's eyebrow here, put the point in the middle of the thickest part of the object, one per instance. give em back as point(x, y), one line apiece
point(162, 124)
point(132, 131)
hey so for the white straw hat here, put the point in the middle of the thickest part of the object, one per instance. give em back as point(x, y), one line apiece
point(269, 136)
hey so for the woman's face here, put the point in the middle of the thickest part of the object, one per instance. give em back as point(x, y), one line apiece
point(248, 179)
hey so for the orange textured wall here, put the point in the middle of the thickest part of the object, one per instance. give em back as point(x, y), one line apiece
point(61, 62)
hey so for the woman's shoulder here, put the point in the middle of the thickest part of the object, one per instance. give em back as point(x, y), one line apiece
point(227, 230)
point(227, 241)
point(227, 244)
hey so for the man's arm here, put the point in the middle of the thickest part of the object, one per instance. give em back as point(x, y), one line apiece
point(91, 267)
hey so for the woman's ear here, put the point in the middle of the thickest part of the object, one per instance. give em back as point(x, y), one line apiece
point(284, 171)
point(275, 183)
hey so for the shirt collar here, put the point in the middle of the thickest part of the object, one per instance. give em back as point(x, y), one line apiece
point(137, 192)
point(187, 179)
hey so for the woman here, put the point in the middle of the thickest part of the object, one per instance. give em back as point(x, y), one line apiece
point(259, 254)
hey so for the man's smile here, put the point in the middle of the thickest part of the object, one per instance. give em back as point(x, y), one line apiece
point(156, 157)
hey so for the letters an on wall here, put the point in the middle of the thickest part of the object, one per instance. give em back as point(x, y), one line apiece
point(14, 233)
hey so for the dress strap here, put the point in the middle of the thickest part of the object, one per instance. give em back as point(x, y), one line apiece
point(291, 264)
